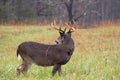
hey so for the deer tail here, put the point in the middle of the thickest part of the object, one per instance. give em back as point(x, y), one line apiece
point(18, 54)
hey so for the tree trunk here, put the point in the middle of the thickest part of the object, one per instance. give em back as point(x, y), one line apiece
point(69, 7)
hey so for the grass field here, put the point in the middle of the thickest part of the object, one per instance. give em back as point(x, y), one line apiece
point(96, 55)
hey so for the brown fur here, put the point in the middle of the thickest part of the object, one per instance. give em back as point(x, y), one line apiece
point(46, 55)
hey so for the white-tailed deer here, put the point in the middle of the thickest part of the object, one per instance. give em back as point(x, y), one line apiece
point(47, 55)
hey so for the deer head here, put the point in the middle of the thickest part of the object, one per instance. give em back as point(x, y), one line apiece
point(63, 34)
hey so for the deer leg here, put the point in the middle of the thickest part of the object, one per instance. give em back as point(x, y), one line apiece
point(20, 69)
point(59, 71)
point(55, 69)
point(23, 68)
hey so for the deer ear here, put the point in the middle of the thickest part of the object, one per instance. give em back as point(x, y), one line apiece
point(69, 33)
point(61, 33)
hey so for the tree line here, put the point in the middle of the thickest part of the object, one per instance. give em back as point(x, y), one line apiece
point(85, 12)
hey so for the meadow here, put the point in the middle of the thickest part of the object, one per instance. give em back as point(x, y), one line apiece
point(96, 55)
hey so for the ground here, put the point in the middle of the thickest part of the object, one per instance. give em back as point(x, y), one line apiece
point(96, 55)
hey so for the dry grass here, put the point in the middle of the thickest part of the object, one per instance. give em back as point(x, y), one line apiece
point(96, 56)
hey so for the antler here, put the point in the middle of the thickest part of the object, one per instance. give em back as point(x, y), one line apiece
point(71, 27)
point(54, 26)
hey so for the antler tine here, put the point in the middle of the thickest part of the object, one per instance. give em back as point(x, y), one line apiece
point(67, 25)
point(53, 24)
point(65, 29)
point(61, 24)
point(75, 24)
point(71, 28)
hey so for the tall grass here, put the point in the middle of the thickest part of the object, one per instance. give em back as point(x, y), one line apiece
point(96, 55)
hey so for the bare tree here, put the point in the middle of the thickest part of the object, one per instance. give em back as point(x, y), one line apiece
point(85, 12)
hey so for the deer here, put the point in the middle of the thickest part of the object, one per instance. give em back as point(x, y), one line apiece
point(46, 55)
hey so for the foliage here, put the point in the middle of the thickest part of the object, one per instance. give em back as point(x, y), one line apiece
point(85, 12)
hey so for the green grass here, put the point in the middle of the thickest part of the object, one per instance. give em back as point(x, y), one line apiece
point(96, 55)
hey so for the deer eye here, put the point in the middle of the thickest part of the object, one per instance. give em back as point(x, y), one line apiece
point(60, 39)
point(69, 52)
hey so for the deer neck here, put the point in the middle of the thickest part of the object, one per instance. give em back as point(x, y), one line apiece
point(69, 43)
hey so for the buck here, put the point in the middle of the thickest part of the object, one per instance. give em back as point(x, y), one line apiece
point(45, 55)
